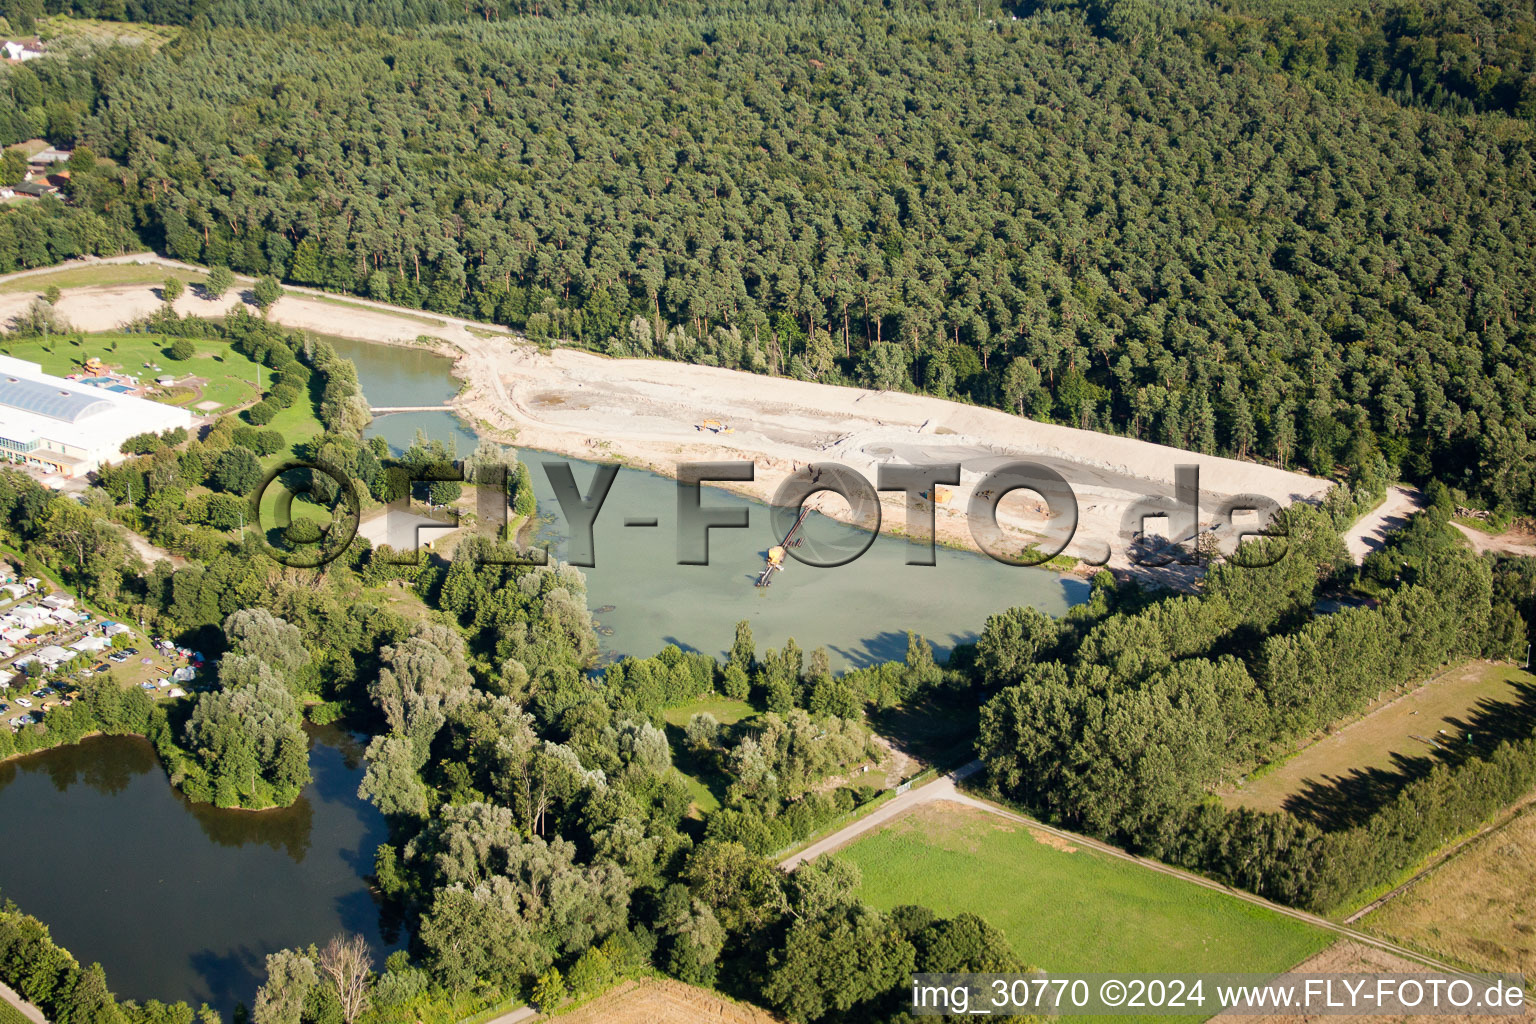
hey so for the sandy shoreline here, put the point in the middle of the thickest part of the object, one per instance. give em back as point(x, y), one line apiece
point(646, 413)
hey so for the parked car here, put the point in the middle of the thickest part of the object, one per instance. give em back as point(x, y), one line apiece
point(23, 702)
point(117, 659)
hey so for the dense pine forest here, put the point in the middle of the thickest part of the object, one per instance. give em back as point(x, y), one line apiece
point(1185, 223)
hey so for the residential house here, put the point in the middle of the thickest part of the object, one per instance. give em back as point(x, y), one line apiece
point(36, 189)
point(24, 616)
point(57, 601)
point(18, 50)
point(49, 156)
point(53, 655)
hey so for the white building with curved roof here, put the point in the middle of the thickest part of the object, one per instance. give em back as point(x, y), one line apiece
point(69, 428)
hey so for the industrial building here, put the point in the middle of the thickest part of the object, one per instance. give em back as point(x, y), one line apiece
point(69, 428)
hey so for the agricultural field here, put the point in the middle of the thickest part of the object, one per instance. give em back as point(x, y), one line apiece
point(664, 1001)
point(1065, 908)
point(10, 1015)
point(1348, 957)
point(1344, 775)
point(1475, 908)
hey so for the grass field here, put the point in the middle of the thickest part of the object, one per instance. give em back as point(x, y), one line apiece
point(10, 1015)
point(230, 377)
point(1475, 908)
point(725, 710)
point(98, 274)
point(1372, 757)
point(1066, 909)
point(707, 787)
point(60, 27)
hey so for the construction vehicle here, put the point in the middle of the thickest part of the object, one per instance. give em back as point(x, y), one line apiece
point(776, 553)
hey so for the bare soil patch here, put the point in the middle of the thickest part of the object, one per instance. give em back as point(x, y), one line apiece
point(664, 1001)
point(646, 412)
point(1356, 958)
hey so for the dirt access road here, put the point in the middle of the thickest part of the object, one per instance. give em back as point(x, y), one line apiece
point(649, 413)
point(1370, 531)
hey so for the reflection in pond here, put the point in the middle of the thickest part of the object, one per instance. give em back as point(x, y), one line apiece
point(180, 900)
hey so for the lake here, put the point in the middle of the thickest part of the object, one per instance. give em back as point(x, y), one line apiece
point(181, 900)
point(644, 600)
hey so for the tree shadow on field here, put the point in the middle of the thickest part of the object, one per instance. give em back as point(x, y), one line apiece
point(1345, 801)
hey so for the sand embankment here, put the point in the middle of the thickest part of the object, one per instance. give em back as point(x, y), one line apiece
point(647, 413)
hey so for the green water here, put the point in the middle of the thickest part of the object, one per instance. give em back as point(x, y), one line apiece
point(860, 612)
point(180, 900)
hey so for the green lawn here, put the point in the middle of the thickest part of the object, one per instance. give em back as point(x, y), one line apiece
point(725, 710)
point(99, 274)
point(707, 787)
point(230, 377)
point(298, 422)
point(1068, 909)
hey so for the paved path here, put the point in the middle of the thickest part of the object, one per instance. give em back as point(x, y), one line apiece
point(945, 789)
point(1370, 532)
point(28, 1011)
point(942, 788)
point(516, 1016)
